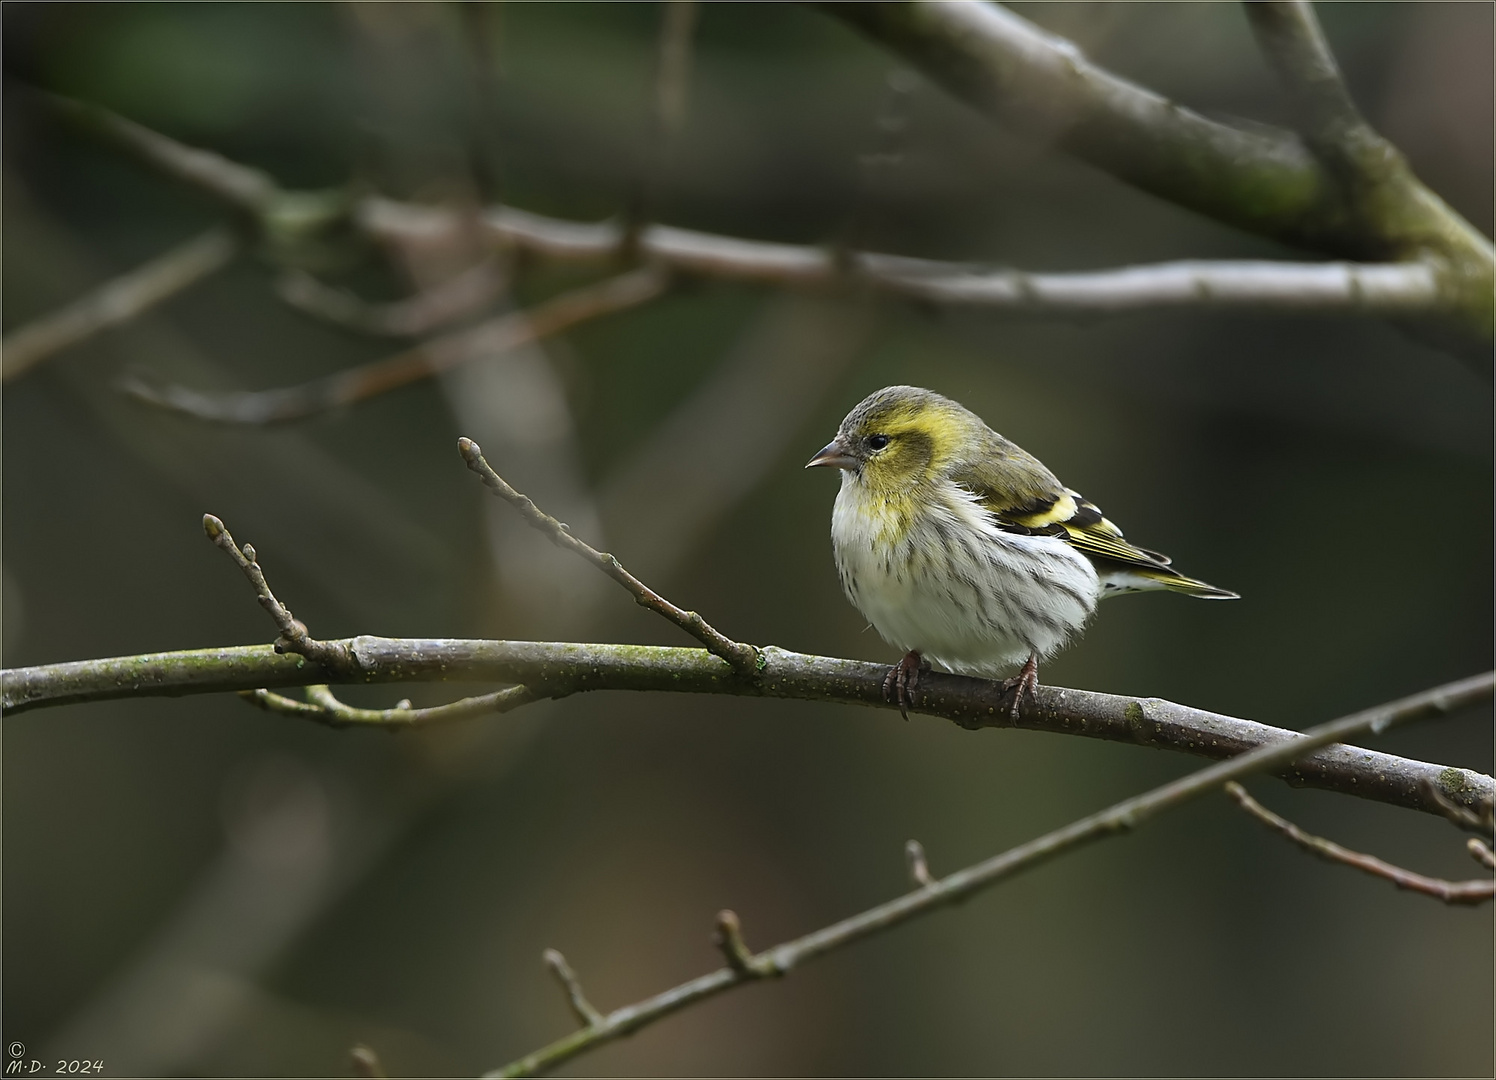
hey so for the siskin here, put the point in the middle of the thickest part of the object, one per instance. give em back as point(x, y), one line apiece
point(961, 548)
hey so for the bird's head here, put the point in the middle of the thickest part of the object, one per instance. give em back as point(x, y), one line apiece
point(901, 436)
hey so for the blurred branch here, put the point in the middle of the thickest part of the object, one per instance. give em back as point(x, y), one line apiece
point(744, 659)
point(430, 358)
point(428, 311)
point(1451, 892)
point(118, 300)
point(1412, 285)
point(1481, 853)
point(1260, 180)
point(745, 966)
point(556, 669)
point(1289, 34)
point(1368, 288)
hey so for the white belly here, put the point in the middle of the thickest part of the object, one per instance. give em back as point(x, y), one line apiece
point(955, 587)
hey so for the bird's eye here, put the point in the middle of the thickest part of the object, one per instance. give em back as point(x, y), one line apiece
point(877, 442)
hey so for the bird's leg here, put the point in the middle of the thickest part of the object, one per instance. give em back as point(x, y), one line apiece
point(1025, 682)
point(900, 682)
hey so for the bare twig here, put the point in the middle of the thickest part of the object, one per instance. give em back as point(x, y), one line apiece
point(428, 311)
point(366, 1063)
point(293, 632)
point(119, 300)
point(745, 966)
point(441, 354)
point(325, 708)
point(586, 1014)
point(1481, 853)
point(1451, 892)
point(744, 659)
point(555, 669)
point(919, 869)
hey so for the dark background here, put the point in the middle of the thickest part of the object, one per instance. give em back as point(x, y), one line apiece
point(193, 886)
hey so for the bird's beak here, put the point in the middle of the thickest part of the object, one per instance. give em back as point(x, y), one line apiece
point(833, 453)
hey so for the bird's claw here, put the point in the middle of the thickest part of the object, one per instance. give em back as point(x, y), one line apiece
point(902, 680)
point(1024, 684)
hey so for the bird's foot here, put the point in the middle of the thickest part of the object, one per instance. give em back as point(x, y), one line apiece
point(1024, 684)
point(902, 679)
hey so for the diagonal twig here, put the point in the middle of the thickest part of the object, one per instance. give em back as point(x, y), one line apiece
point(366, 1063)
point(1451, 892)
point(745, 659)
point(119, 300)
point(745, 966)
point(441, 354)
point(586, 1013)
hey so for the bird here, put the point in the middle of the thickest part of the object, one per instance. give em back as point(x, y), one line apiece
point(961, 548)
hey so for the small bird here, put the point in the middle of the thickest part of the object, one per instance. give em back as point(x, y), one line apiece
point(961, 548)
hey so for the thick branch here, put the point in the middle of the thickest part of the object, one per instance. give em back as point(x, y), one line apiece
point(555, 669)
point(1451, 892)
point(118, 300)
point(745, 966)
point(431, 358)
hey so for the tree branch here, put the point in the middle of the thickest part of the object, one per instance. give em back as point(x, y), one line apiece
point(1368, 288)
point(557, 669)
point(431, 358)
point(119, 300)
point(323, 707)
point(1451, 892)
point(745, 966)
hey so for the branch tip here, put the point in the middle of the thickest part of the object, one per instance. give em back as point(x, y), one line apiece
point(584, 1010)
point(366, 1062)
point(919, 869)
point(728, 937)
point(1481, 853)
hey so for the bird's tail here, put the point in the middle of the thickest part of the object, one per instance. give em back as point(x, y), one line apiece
point(1135, 579)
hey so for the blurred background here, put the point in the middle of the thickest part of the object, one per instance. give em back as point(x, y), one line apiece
point(195, 887)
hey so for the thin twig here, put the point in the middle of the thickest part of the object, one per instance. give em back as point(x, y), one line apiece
point(431, 358)
point(294, 637)
point(456, 298)
point(745, 659)
point(1451, 892)
point(555, 669)
point(325, 708)
point(1122, 817)
point(118, 300)
point(585, 1012)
